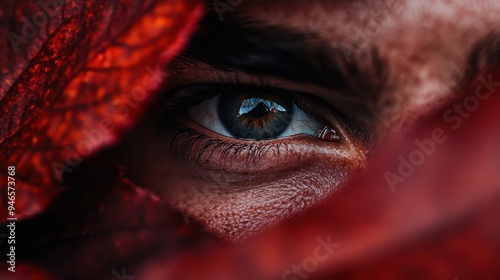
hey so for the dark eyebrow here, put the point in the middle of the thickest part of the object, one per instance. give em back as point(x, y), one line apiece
point(256, 48)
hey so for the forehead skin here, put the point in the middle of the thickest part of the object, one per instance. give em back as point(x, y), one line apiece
point(426, 44)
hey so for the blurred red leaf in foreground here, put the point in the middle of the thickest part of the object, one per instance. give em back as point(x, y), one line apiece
point(74, 75)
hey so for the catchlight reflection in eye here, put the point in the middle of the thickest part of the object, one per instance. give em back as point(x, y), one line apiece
point(254, 116)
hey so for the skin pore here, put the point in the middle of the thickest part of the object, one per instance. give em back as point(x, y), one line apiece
point(381, 65)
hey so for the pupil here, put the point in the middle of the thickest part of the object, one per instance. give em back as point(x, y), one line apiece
point(255, 117)
point(259, 111)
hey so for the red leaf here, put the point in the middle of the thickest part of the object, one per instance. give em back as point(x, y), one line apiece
point(74, 76)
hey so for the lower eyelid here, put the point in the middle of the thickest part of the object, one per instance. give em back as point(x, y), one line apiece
point(211, 153)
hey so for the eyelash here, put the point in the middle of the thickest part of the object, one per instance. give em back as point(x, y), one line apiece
point(228, 151)
point(177, 133)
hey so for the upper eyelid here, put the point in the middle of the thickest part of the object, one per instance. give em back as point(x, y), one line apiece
point(202, 73)
point(185, 92)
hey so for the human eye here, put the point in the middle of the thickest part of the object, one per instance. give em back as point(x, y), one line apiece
point(249, 137)
point(242, 153)
point(253, 113)
point(216, 125)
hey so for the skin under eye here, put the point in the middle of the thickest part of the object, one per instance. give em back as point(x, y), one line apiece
point(254, 116)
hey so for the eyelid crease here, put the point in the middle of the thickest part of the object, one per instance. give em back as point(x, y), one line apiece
point(256, 48)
